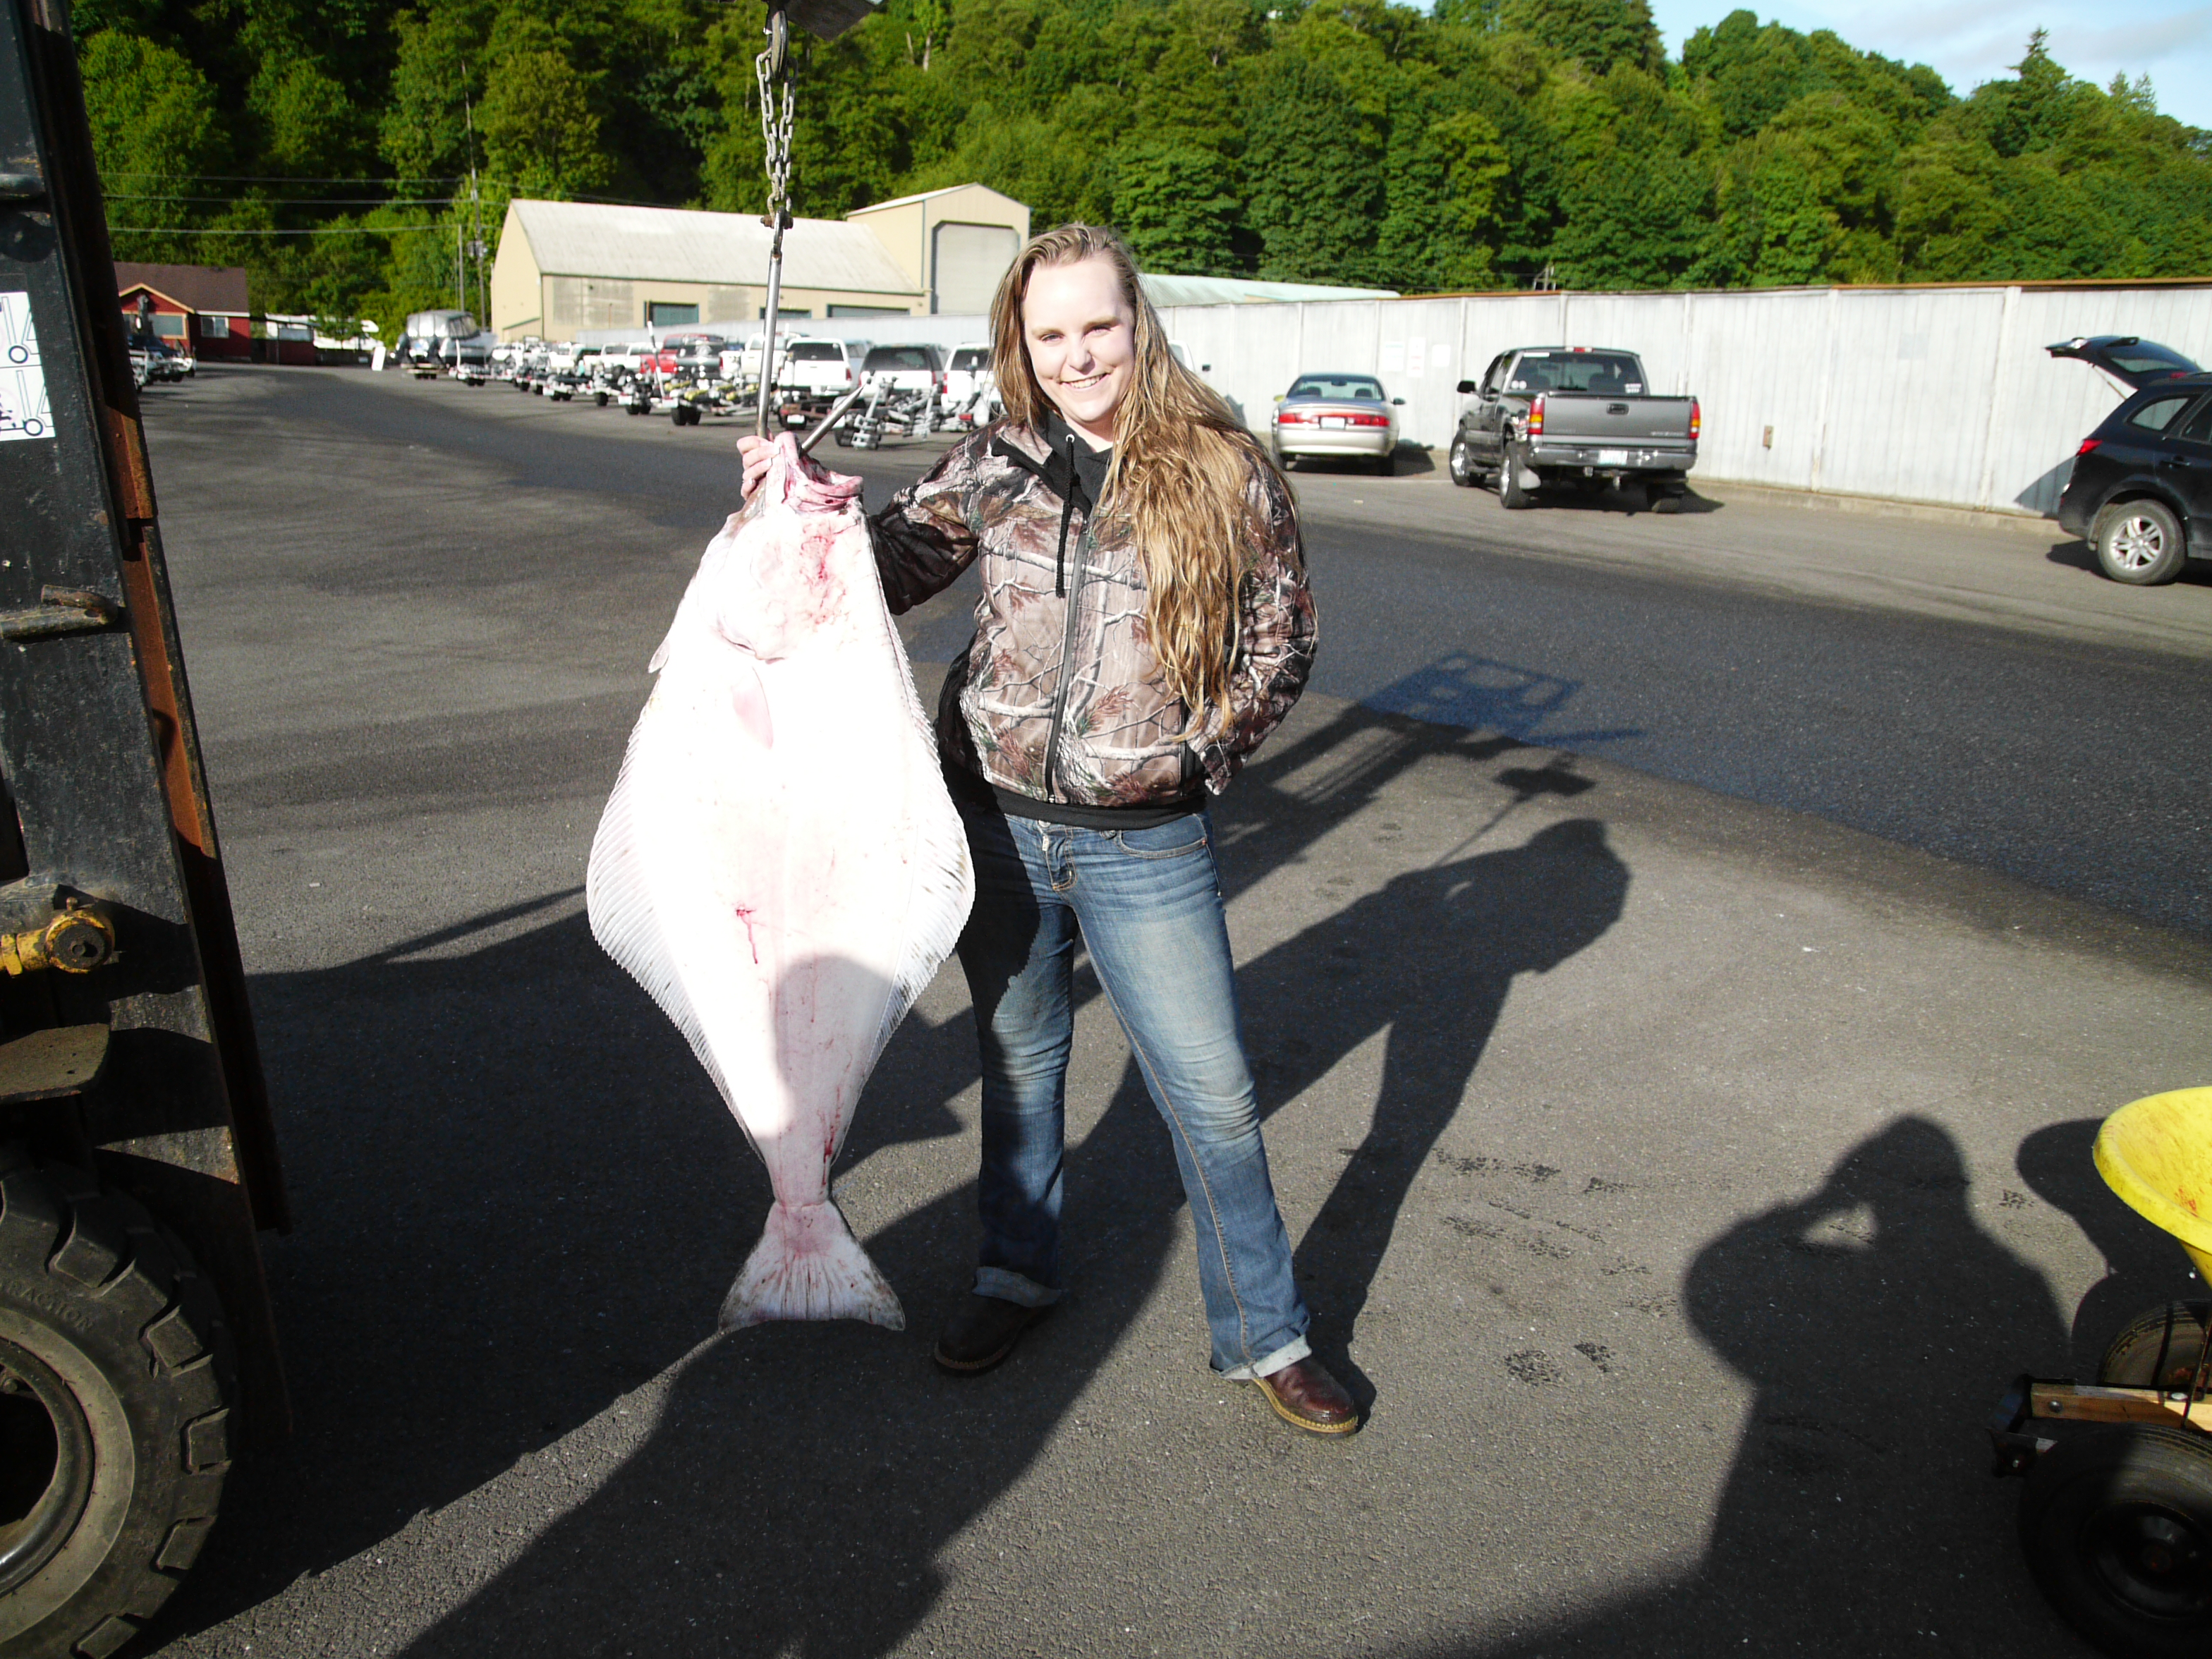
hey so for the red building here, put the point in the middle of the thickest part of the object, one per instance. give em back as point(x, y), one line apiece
point(198, 310)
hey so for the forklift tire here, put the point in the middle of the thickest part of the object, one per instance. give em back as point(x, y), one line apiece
point(599, 399)
point(2117, 1525)
point(116, 1383)
point(2159, 1349)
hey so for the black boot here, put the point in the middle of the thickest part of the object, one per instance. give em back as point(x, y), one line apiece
point(982, 1332)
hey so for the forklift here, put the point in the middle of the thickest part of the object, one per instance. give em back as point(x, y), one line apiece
point(138, 1158)
point(138, 1162)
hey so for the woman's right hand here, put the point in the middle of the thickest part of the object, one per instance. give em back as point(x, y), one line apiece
point(757, 453)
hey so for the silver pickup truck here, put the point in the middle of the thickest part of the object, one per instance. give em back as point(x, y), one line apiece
point(1547, 417)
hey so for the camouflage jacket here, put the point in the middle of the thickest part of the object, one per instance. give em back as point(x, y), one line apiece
point(1059, 696)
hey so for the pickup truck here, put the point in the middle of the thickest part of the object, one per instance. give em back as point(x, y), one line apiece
point(1545, 417)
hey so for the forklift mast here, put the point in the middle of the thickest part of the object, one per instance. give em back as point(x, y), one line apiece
point(126, 1040)
point(137, 1159)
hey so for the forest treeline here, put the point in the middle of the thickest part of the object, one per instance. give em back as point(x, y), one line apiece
point(1483, 143)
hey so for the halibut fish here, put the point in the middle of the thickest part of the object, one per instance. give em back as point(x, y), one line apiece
point(779, 865)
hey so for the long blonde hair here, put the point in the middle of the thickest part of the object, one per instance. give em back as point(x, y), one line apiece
point(1180, 477)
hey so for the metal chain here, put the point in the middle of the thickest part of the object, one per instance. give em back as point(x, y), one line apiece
point(772, 69)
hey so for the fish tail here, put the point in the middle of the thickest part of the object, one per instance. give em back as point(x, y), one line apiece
point(809, 1265)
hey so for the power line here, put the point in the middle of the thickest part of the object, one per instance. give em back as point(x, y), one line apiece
point(255, 178)
point(337, 230)
point(300, 201)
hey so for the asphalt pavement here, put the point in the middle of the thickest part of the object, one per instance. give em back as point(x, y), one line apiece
point(1684, 959)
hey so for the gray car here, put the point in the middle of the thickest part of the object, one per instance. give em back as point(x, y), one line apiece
point(1335, 418)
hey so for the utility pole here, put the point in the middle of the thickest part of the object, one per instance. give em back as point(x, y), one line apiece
point(476, 212)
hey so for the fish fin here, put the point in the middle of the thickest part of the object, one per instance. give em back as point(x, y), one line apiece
point(623, 920)
point(749, 697)
point(809, 1265)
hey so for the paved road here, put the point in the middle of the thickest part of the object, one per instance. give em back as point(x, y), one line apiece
point(1975, 691)
point(1678, 1172)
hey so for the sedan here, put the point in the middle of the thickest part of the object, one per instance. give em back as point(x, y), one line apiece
point(1326, 416)
point(2141, 492)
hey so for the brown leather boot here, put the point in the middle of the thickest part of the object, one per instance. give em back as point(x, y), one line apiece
point(982, 1332)
point(1303, 1393)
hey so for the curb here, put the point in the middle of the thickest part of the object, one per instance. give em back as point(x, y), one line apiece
point(1814, 500)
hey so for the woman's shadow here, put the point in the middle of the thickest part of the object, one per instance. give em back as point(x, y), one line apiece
point(1430, 958)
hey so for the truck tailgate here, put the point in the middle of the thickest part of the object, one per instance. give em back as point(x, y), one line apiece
point(1595, 418)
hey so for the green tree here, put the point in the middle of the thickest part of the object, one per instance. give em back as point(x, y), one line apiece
point(540, 136)
point(309, 125)
point(1315, 192)
point(1172, 204)
point(156, 136)
point(1595, 34)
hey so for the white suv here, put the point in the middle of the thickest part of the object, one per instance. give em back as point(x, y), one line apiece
point(908, 368)
point(817, 368)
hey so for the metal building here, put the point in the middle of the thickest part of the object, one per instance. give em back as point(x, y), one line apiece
point(564, 267)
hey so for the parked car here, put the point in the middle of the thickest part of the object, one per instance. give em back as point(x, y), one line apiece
point(970, 393)
point(1550, 415)
point(2128, 358)
point(688, 351)
point(816, 369)
point(1335, 418)
point(2141, 492)
point(163, 360)
point(968, 363)
point(908, 369)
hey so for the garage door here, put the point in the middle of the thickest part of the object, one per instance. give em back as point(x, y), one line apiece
point(969, 260)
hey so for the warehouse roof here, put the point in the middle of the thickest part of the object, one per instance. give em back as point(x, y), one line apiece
point(682, 245)
point(1239, 291)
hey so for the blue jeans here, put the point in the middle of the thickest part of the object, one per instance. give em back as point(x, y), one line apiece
point(1148, 907)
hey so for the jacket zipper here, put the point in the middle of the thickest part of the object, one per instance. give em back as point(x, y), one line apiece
point(1067, 651)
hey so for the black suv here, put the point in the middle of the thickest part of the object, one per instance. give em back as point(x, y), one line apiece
point(2142, 486)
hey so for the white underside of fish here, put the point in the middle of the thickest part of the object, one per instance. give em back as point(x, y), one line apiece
point(781, 868)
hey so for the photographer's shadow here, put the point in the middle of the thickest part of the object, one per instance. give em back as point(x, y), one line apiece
point(1876, 1323)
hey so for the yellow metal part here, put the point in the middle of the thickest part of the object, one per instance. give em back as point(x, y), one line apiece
point(75, 942)
point(2156, 1154)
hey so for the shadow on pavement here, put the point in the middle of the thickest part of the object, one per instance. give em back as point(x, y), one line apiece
point(1430, 959)
point(2144, 1268)
point(1877, 1324)
point(521, 1200)
point(796, 1464)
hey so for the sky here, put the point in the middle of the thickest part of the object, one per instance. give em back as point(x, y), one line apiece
point(1970, 41)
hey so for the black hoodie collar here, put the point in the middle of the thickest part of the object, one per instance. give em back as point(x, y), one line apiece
point(1072, 469)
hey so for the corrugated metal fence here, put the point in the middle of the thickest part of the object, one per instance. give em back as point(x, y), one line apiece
point(1942, 395)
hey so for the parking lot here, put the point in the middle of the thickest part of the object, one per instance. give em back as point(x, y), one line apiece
point(1684, 959)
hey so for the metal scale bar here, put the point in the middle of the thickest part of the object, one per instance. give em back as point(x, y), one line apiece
point(826, 19)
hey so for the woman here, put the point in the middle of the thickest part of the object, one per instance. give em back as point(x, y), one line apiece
point(1144, 624)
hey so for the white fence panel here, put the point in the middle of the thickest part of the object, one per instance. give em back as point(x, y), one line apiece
point(1419, 362)
point(1910, 393)
point(1758, 365)
point(1938, 395)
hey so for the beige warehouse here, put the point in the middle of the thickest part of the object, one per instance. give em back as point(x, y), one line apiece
point(565, 267)
point(953, 244)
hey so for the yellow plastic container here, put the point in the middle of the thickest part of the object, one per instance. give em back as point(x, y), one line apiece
point(2156, 1153)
